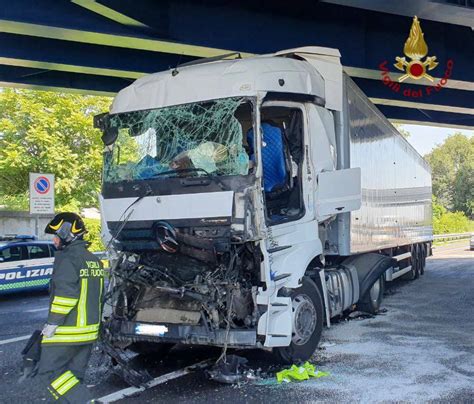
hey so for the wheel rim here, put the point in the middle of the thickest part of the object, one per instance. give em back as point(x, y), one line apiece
point(304, 319)
point(375, 291)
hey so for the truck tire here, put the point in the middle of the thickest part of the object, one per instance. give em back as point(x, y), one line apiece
point(423, 258)
point(308, 318)
point(371, 301)
point(415, 264)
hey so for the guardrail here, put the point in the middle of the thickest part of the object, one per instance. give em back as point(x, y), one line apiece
point(453, 236)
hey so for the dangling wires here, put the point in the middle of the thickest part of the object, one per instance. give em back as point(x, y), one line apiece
point(223, 355)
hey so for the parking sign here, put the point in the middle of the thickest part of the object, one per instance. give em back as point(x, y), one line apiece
point(41, 193)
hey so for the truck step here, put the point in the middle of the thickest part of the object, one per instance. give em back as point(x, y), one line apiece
point(401, 272)
point(403, 256)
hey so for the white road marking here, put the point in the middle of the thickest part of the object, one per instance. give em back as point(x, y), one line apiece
point(121, 394)
point(8, 341)
point(35, 310)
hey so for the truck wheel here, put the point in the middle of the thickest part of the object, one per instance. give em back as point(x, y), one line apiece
point(308, 317)
point(371, 301)
point(415, 262)
point(418, 260)
point(422, 258)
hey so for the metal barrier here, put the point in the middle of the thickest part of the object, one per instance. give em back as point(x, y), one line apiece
point(453, 236)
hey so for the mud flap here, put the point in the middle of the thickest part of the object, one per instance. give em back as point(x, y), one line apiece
point(369, 268)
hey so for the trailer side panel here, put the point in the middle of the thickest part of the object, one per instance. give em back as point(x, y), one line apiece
point(396, 181)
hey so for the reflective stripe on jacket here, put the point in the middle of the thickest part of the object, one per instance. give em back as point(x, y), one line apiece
point(77, 284)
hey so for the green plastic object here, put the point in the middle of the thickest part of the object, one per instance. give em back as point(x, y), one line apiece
point(300, 373)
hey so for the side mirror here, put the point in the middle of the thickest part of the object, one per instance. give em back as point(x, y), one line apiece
point(109, 136)
point(2, 259)
point(109, 133)
point(100, 121)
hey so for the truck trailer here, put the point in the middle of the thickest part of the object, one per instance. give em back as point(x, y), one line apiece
point(250, 201)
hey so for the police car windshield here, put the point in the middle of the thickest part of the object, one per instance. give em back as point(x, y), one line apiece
point(199, 137)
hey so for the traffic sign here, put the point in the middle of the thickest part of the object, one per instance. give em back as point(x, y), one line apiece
point(41, 193)
point(42, 185)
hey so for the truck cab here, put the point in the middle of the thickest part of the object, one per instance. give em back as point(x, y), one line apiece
point(221, 182)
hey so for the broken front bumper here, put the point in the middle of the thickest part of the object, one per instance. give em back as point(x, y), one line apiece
point(122, 330)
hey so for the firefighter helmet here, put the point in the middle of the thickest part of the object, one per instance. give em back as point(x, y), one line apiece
point(67, 226)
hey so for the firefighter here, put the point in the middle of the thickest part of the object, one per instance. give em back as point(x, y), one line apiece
point(74, 312)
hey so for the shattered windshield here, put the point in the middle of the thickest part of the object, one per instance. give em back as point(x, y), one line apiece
point(199, 138)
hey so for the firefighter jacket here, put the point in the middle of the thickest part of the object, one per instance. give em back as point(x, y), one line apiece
point(75, 306)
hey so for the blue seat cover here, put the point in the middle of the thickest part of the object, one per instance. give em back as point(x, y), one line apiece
point(273, 156)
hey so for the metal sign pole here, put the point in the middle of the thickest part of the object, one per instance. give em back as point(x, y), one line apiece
point(37, 226)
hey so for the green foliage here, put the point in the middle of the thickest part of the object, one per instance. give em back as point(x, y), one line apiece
point(49, 132)
point(452, 165)
point(463, 198)
point(438, 209)
point(451, 222)
point(402, 130)
point(15, 202)
point(93, 235)
point(445, 222)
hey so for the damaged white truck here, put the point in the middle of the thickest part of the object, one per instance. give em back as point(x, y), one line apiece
point(249, 201)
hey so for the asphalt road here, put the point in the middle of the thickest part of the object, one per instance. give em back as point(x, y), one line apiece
point(421, 349)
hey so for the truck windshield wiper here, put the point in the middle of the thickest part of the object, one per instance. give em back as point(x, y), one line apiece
point(193, 170)
point(180, 170)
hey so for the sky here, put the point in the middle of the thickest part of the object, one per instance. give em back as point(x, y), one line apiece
point(425, 138)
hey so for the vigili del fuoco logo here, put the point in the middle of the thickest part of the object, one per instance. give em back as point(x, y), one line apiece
point(416, 65)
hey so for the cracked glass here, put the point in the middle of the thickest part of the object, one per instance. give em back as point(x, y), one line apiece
point(198, 138)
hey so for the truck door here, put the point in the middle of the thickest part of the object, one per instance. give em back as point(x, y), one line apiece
point(282, 132)
point(288, 190)
point(291, 229)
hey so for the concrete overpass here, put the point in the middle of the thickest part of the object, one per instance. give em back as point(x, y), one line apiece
point(99, 47)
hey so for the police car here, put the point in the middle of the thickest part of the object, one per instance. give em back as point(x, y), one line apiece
point(25, 263)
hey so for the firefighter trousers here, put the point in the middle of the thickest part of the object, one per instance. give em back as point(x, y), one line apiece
point(62, 368)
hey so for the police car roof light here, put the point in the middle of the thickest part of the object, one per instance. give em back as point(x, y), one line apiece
point(9, 237)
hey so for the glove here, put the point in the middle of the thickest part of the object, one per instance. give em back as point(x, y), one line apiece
point(49, 330)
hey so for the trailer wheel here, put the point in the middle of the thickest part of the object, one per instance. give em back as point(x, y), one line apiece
point(308, 317)
point(422, 258)
point(418, 260)
point(415, 264)
point(371, 301)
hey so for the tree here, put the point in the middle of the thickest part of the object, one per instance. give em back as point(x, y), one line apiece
point(452, 165)
point(463, 198)
point(402, 130)
point(49, 132)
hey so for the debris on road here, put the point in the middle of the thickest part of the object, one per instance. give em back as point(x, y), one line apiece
point(231, 369)
point(360, 315)
point(300, 373)
point(326, 344)
point(123, 368)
